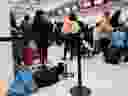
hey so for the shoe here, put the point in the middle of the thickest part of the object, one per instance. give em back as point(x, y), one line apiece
point(126, 59)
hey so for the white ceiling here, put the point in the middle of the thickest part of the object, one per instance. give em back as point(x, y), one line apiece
point(51, 4)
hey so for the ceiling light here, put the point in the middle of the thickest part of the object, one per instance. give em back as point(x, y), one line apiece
point(60, 12)
point(67, 10)
point(74, 7)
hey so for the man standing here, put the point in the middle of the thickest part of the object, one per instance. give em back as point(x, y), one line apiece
point(40, 29)
point(103, 30)
point(26, 27)
point(70, 28)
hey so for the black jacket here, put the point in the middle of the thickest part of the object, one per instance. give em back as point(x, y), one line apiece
point(40, 29)
point(27, 30)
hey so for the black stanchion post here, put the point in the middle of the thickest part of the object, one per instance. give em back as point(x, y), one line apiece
point(79, 90)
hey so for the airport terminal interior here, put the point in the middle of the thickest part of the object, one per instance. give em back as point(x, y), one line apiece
point(66, 48)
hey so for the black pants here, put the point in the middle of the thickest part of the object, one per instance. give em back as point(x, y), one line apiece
point(43, 55)
point(112, 56)
point(76, 47)
point(104, 42)
point(68, 48)
point(73, 47)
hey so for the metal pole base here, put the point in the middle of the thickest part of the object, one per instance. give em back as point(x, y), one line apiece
point(80, 91)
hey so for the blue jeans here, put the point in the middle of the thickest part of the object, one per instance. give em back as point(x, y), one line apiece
point(119, 39)
point(20, 88)
point(118, 44)
point(119, 36)
point(24, 75)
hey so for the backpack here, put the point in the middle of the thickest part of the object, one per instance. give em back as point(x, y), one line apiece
point(75, 27)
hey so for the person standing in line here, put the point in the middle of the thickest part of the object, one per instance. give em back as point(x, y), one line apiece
point(26, 27)
point(44, 40)
point(36, 27)
point(41, 27)
point(76, 31)
point(68, 41)
point(12, 20)
point(13, 30)
point(72, 29)
point(103, 29)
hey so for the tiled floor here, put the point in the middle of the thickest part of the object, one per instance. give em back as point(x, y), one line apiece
point(103, 79)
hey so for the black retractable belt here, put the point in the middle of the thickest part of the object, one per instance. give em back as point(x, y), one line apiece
point(13, 36)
